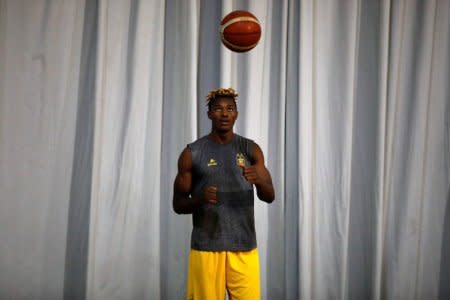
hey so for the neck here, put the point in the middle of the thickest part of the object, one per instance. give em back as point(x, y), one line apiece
point(221, 137)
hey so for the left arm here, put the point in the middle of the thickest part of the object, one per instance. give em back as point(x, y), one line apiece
point(258, 175)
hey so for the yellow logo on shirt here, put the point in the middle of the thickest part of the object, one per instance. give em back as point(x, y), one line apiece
point(240, 159)
point(212, 162)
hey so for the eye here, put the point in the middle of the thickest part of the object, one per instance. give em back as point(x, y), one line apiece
point(230, 109)
point(217, 109)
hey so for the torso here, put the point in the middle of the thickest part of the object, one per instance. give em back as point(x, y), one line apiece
point(229, 224)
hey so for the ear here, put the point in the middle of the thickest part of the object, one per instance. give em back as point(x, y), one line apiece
point(209, 114)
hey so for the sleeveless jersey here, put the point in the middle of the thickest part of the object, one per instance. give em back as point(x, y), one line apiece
point(228, 225)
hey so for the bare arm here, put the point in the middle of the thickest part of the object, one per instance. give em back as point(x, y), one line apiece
point(258, 174)
point(183, 202)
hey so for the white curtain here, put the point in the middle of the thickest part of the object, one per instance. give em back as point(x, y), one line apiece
point(349, 100)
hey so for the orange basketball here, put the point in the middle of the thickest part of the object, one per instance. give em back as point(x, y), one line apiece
point(240, 31)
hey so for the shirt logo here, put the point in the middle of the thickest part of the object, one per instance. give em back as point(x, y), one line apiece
point(212, 162)
point(240, 159)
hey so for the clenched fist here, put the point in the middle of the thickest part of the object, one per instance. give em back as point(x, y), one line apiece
point(210, 194)
point(251, 174)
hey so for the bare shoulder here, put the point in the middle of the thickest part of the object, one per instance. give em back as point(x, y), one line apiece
point(185, 160)
point(183, 180)
point(257, 153)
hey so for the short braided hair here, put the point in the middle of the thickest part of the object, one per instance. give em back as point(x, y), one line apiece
point(220, 92)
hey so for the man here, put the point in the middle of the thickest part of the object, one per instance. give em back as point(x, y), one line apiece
point(215, 180)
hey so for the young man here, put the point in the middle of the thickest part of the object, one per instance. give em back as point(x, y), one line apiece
point(215, 180)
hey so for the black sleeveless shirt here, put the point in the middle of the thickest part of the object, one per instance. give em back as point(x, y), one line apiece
point(228, 225)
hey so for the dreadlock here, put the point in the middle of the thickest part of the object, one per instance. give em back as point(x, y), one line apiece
point(220, 92)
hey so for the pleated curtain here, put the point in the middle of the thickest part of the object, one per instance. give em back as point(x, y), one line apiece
point(349, 101)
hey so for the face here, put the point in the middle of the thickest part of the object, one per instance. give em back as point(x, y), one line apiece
point(223, 114)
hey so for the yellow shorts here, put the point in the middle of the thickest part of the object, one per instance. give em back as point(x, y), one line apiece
point(210, 273)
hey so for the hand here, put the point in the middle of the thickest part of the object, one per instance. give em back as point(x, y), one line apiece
point(210, 195)
point(251, 174)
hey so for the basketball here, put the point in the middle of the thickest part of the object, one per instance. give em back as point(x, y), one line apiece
point(240, 31)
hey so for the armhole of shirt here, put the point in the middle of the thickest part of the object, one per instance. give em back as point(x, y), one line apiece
point(189, 146)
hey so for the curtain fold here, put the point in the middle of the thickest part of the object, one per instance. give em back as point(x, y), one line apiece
point(40, 46)
point(349, 101)
point(124, 253)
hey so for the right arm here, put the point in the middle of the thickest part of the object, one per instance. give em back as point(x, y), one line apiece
point(183, 202)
